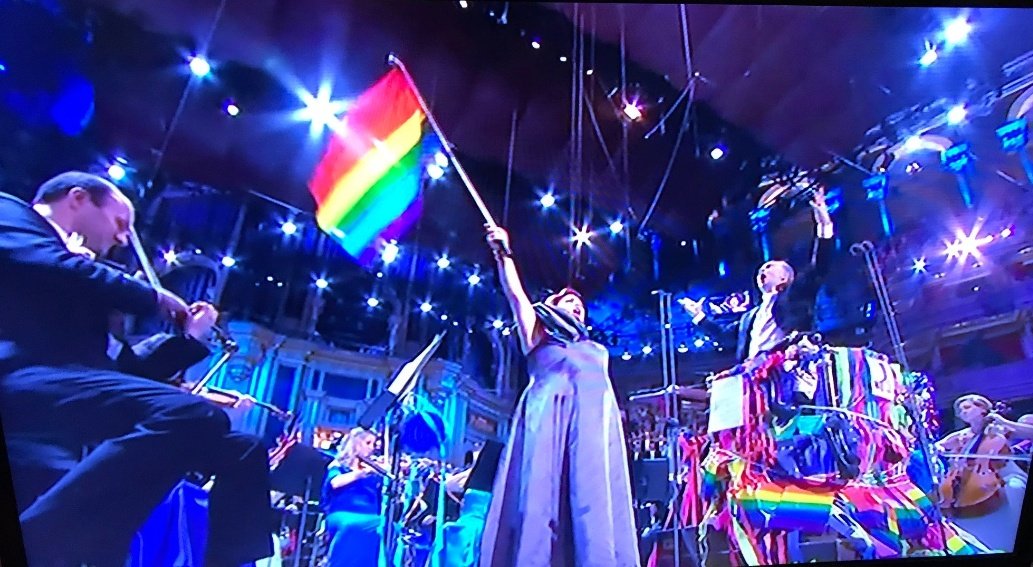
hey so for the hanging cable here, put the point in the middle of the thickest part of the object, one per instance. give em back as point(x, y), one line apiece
point(583, 208)
point(572, 247)
point(509, 169)
point(181, 105)
point(684, 24)
point(625, 177)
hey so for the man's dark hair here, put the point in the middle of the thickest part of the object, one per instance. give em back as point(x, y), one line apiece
point(57, 187)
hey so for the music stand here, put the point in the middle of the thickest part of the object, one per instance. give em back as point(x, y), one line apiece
point(302, 466)
point(400, 384)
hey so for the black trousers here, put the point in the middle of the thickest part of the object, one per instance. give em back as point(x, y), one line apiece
point(147, 436)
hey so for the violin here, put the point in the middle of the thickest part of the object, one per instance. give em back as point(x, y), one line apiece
point(975, 480)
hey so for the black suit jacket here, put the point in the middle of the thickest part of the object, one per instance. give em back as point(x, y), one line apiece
point(793, 309)
point(160, 357)
point(54, 304)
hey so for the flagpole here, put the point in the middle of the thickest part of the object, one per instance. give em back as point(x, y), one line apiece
point(394, 60)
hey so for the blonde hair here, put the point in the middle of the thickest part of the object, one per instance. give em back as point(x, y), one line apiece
point(346, 449)
point(976, 399)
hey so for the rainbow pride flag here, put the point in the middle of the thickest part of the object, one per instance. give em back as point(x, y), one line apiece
point(367, 185)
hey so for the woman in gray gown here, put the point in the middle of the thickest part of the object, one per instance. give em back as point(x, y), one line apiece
point(562, 495)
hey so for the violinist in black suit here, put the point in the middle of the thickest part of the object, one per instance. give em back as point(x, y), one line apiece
point(59, 381)
point(787, 299)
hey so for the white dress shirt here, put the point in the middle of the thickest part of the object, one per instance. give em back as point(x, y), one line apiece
point(764, 333)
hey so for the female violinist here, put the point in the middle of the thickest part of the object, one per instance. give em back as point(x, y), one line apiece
point(983, 489)
point(352, 500)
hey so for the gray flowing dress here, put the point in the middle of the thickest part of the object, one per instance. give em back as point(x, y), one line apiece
point(562, 496)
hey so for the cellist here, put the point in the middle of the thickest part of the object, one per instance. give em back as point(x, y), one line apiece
point(982, 490)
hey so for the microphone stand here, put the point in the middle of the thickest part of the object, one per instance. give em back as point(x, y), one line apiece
point(671, 415)
point(867, 249)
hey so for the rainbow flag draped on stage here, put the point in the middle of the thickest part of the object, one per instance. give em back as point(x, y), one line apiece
point(367, 185)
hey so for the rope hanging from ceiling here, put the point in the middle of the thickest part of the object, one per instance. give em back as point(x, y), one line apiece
point(686, 51)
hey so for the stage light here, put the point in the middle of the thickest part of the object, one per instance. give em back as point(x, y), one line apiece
point(322, 283)
point(426, 307)
point(505, 332)
point(229, 261)
point(616, 227)
point(717, 152)
point(444, 317)
point(547, 200)
point(929, 57)
point(497, 324)
point(169, 256)
point(563, 58)
point(957, 31)
point(957, 115)
point(390, 252)
point(913, 168)
point(441, 159)
point(684, 243)
point(683, 348)
point(321, 110)
point(200, 66)
point(722, 269)
point(116, 172)
point(582, 236)
point(473, 279)
point(919, 265)
point(646, 350)
point(3, 68)
point(289, 228)
point(589, 72)
point(269, 278)
point(434, 171)
point(380, 275)
point(463, 4)
point(632, 111)
point(1007, 232)
point(626, 356)
point(231, 108)
point(1014, 135)
point(953, 249)
point(443, 262)
point(279, 284)
point(536, 44)
point(913, 144)
point(699, 343)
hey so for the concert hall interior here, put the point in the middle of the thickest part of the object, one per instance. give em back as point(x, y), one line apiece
point(337, 282)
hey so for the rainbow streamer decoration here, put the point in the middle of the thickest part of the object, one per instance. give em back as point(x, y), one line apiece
point(367, 185)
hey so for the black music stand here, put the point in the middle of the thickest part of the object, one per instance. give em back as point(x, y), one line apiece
point(401, 383)
point(302, 469)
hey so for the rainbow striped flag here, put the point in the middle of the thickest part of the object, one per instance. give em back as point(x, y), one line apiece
point(367, 185)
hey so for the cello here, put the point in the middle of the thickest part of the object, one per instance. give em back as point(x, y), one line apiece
point(973, 479)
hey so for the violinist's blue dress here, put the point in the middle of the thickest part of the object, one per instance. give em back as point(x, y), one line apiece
point(353, 520)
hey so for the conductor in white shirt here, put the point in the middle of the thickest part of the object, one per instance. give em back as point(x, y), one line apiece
point(787, 296)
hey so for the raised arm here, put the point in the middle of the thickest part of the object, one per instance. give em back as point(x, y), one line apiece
point(513, 288)
point(823, 246)
point(700, 319)
point(1016, 428)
